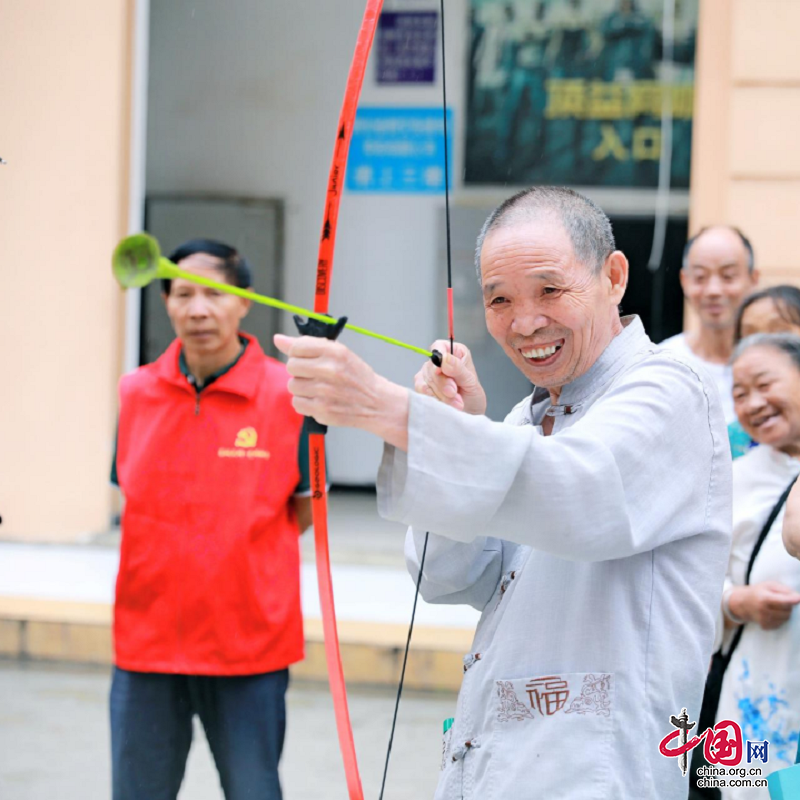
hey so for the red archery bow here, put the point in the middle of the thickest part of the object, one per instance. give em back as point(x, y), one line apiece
point(319, 503)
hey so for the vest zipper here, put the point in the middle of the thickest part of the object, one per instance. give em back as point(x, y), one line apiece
point(193, 384)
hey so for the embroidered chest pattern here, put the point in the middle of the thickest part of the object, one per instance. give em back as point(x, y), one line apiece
point(509, 705)
point(548, 695)
point(594, 697)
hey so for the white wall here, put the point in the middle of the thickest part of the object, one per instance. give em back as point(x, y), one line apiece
point(244, 98)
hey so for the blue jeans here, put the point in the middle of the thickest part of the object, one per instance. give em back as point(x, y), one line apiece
point(244, 718)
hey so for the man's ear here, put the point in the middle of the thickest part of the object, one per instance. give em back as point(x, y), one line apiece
point(165, 298)
point(616, 271)
point(247, 304)
point(683, 277)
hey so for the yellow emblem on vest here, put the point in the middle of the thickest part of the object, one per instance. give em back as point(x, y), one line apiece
point(244, 446)
point(247, 437)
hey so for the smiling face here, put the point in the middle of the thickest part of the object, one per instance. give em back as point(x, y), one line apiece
point(551, 314)
point(205, 320)
point(716, 277)
point(766, 397)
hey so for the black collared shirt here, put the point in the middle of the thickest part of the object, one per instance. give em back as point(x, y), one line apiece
point(184, 368)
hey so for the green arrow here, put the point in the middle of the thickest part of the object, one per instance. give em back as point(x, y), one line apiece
point(137, 261)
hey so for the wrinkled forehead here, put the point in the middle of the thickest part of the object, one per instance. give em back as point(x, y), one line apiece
point(201, 261)
point(202, 264)
point(764, 311)
point(535, 242)
point(761, 360)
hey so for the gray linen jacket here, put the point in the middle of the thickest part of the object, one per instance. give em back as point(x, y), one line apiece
point(596, 556)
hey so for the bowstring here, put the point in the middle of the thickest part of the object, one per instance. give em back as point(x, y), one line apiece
point(452, 348)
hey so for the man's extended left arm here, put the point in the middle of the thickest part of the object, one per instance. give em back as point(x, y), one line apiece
point(596, 491)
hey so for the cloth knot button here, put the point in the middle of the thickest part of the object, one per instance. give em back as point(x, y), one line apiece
point(462, 750)
point(470, 659)
point(507, 578)
point(560, 411)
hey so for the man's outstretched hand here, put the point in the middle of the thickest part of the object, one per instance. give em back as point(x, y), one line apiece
point(455, 382)
point(332, 384)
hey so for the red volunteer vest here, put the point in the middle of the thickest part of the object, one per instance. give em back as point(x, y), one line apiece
point(209, 575)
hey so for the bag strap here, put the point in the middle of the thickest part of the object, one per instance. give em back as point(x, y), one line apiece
point(773, 515)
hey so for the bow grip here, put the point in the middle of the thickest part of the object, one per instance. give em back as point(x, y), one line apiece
point(322, 330)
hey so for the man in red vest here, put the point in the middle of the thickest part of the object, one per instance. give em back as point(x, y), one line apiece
point(211, 461)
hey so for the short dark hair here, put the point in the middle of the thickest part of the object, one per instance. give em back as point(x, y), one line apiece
point(788, 343)
point(748, 247)
point(587, 226)
point(786, 299)
point(234, 265)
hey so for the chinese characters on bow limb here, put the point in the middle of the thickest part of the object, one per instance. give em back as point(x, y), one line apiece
point(598, 584)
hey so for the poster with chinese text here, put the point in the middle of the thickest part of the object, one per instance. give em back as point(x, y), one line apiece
point(571, 92)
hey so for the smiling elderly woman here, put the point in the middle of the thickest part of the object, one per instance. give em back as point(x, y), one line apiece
point(761, 687)
point(775, 309)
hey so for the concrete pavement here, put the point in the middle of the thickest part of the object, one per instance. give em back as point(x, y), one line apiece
point(54, 741)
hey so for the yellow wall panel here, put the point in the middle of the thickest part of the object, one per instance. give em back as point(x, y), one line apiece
point(710, 130)
point(772, 276)
point(763, 131)
point(769, 214)
point(63, 206)
point(765, 40)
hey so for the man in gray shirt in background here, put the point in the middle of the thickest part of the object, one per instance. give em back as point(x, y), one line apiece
point(717, 273)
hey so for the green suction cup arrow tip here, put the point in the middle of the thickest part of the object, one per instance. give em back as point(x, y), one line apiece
point(135, 261)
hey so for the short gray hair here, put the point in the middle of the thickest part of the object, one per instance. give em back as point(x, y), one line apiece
point(587, 225)
point(788, 343)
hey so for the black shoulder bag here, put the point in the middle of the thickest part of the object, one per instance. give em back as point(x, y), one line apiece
point(720, 662)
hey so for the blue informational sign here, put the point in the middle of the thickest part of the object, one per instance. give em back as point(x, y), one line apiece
point(406, 46)
point(399, 150)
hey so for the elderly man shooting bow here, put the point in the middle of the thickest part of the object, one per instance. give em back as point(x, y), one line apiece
point(591, 528)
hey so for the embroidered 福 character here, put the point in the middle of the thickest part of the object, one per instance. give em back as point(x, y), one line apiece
point(548, 694)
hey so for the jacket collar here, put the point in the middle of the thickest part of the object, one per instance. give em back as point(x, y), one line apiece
point(621, 351)
point(242, 378)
